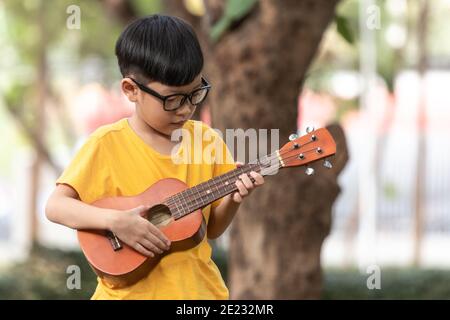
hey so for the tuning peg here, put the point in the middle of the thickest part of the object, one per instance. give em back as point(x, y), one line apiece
point(327, 164)
point(309, 129)
point(293, 137)
point(309, 171)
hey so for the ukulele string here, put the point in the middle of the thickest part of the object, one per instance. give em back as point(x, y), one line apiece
point(234, 188)
point(191, 203)
point(271, 157)
point(269, 170)
point(174, 199)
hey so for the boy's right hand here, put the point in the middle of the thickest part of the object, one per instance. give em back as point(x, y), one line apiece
point(137, 232)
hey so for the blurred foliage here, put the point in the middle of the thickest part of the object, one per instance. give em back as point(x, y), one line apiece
point(341, 49)
point(344, 29)
point(146, 7)
point(66, 48)
point(345, 106)
point(37, 29)
point(44, 275)
point(395, 284)
point(23, 20)
point(235, 10)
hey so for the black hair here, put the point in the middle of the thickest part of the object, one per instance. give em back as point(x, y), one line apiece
point(160, 48)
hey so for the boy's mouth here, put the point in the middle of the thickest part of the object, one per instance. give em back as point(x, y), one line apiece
point(178, 123)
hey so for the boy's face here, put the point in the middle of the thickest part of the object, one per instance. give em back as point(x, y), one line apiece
point(150, 109)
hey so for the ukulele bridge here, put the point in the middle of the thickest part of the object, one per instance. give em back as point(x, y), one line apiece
point(115, 242)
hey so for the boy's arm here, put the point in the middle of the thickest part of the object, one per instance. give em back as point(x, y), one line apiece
point(221, 217)
point(64, 207)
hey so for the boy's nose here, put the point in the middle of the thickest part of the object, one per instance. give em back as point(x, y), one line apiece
point(185, 109)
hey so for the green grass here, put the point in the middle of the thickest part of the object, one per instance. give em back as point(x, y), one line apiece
point(407, 283)
point(43, 276)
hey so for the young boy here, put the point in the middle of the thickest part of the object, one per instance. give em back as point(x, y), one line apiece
point(161, 62)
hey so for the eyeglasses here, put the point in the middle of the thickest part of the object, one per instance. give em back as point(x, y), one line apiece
point(174, 101)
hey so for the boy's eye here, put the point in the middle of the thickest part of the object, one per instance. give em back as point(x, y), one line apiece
point(174, 98)
point(197, 93)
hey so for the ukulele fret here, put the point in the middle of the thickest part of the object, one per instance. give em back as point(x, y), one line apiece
point(209, 191)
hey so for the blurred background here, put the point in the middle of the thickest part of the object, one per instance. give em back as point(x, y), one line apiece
point(375, 72)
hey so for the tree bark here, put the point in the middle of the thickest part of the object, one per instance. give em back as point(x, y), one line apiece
point(122, 10)
point(257, 70)
point(36, 166)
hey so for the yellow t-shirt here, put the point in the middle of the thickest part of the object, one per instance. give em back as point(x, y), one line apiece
point(115, 161)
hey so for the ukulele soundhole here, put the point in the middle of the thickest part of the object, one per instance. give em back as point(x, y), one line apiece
point(159, 215)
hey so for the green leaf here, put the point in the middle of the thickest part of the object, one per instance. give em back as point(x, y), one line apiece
point(343, 28)
point(234, 10)
point(219, 28)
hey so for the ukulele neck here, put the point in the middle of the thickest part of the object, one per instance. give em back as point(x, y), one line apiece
point(205, 193)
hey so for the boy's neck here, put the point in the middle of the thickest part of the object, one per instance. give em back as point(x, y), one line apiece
point(140, 126)
point(155, 139)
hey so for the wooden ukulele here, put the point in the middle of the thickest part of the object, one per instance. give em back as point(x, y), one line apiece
point(176, 209)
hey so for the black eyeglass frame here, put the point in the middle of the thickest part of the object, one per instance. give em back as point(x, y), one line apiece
point(205, 85)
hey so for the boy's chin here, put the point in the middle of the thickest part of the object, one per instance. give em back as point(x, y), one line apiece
point(170, 128)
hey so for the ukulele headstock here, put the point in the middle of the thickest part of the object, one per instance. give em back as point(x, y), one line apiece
point(313, 146)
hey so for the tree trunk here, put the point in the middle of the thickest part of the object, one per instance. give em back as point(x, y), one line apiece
point(257, 70)
point(39, 127)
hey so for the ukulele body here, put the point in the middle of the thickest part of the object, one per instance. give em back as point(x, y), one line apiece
point(124, 266)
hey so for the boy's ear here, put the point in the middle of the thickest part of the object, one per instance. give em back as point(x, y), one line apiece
point(129, 89)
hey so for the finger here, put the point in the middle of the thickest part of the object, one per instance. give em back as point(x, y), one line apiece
point(156, 241)
point(139, 248)
point(156, 232)
point(259, 179)
point(246, 181)
point(237, 197)
point(241, 188)
point(141, 210)
point(150, 246)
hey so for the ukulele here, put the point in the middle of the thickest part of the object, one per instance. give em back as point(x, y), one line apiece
point(176, 209)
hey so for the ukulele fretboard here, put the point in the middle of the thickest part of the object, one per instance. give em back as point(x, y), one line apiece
point(203, 194)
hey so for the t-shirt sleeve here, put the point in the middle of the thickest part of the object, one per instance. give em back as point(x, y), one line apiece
point(223, 162)
point(88, 172)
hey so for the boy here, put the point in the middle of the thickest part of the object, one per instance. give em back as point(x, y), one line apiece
point(161, 63)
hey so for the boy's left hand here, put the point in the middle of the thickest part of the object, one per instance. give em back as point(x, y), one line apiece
point(245, 185)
